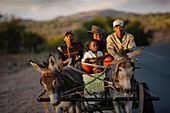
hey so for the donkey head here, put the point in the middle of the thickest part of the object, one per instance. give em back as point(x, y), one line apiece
point(50, 78)
point(123, 74)
point(124, 71)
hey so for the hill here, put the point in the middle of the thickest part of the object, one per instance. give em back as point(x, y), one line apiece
point(90, 15)
point(158, 23)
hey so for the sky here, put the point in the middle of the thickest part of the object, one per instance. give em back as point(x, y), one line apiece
point(44, 10)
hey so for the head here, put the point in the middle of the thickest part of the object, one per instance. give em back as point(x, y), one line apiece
point(123, 73)
point(93, 45)
point(124, 70)
point(68, 36)
point(97, 32)
point(118, 27)
point(50, 78)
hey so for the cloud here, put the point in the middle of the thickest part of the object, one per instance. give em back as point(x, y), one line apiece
point(47, 9)
point(150, 1)
point(35, 8)
point(98, 5)
point(87, 0)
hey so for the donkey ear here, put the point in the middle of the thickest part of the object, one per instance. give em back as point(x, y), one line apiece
point(51, 61)
point(132, 54)
point(36, 66)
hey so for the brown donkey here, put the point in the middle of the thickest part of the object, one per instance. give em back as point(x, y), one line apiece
point(56, 83)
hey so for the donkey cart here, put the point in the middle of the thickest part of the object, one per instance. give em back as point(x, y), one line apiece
point(94, 98)
point(113, 88)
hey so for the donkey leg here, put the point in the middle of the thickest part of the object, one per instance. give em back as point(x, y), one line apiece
point(128, 107)
point(78, 107)
point(58, 110)
point(71, 108)
point(117, 107)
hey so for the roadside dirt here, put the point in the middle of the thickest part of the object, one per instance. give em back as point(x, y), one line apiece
point(19, 85)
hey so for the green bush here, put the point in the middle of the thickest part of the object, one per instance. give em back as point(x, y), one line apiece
point(137, 30)
point(14, 38)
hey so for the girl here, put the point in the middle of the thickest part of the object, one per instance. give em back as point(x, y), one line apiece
point(91, 57)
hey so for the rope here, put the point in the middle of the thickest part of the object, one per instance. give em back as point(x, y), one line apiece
point(93, 76)
point(93, 65)
point(78, 92)
point(88, 82)
point(114, 90)
point(45, 104)
point(68, 52)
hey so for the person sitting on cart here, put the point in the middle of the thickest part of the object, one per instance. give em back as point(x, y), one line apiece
point(97, 34)
point(71, 51)
point(120, 43)
point(91, 57)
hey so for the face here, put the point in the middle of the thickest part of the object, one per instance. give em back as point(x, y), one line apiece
point(125, 72)
point(50, 78)
point(98, 36)
point(119, 30)
point(93, 46)
point(52, 85)
point(68, 38)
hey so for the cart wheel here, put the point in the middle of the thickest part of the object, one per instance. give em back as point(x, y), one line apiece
point(141, 98)
point(148, 105)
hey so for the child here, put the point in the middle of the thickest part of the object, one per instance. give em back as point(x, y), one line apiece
point(91, 57)
point(70, 50)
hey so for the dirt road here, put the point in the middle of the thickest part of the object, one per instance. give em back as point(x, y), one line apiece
point(20, 85)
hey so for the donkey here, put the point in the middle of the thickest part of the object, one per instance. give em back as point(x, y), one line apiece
point(121, 74)
point(57, 83)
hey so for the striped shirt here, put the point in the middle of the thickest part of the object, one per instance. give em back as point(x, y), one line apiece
point(113, 44)
point(64, 53)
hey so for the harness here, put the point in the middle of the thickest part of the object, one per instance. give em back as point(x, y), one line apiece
point(115, 75)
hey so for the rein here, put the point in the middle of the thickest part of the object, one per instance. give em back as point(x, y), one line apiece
point(115, 75)
point(58, 74)
point(88, 82)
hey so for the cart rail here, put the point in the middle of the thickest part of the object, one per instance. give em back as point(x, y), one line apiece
point(100, 99)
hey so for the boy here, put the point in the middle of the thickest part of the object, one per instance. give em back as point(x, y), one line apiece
point(69, 51)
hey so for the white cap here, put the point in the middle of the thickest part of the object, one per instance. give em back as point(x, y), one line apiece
point(118, 22)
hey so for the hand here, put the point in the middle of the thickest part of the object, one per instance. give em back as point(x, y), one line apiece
point(67, 61)
point(93, 60)
point(77, 57)
point(121, 51)
point(106, 53)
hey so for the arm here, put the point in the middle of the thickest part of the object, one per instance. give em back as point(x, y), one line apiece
point(85, 48)
point(102, 57)
point(80, 53)
point(132, 44)
point(87, 58)
point(110, 46)
point(61, 56)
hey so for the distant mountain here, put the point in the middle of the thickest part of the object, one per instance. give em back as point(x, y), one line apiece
point(91, 14)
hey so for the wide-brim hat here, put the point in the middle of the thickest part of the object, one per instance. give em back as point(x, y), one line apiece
point(96, 29)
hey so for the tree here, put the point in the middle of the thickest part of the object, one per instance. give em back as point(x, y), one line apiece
point(55, 40)
point(137, 30)
point(33, 42)
point(13, 37)
point(10, 34)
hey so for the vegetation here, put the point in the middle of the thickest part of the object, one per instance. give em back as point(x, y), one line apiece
point(14, 38)
point(18, 36)
point(134, 27)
